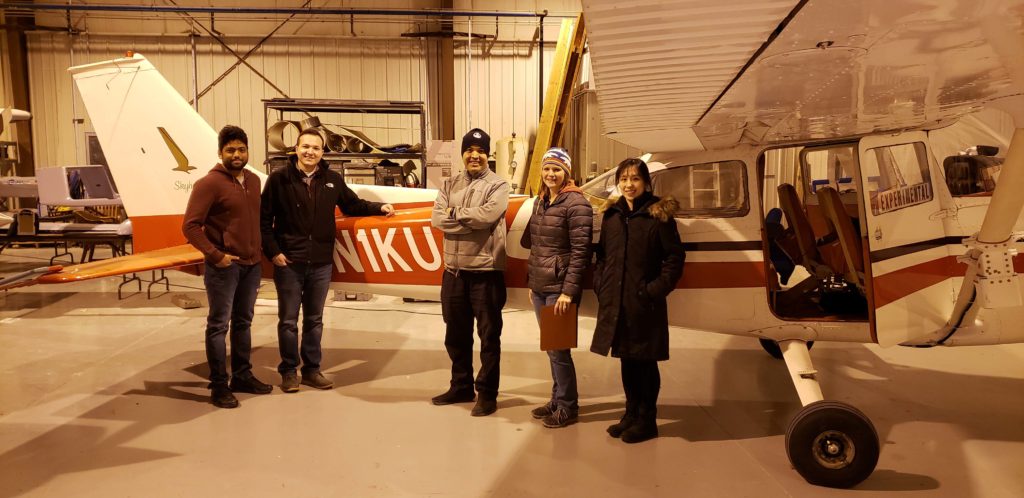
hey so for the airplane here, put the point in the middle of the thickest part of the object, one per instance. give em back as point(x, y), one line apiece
point(828, 111)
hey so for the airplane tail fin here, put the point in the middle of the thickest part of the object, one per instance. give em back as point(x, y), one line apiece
point(156, 145)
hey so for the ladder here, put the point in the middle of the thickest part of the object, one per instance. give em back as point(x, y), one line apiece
point(565, 69)
point(696, 174)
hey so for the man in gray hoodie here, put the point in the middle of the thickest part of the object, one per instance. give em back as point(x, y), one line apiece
point(470, 210)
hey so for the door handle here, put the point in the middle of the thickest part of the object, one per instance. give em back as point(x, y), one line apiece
point(943, 213)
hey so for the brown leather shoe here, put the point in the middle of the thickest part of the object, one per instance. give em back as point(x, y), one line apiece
point(317, 380)
point(484, 407)
point(290, 382)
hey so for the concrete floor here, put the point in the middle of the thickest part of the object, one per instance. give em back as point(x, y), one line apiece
point(100, 397)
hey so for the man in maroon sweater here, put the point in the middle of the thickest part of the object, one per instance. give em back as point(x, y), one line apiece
point(222, 220)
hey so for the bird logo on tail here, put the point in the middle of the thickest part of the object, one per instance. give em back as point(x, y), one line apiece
point(179, 156)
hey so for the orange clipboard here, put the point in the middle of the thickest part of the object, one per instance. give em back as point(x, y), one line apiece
point(558, 331)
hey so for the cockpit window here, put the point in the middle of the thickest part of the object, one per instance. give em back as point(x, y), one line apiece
point(602, 187)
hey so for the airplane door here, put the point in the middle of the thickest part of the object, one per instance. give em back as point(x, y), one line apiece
point(910, 265)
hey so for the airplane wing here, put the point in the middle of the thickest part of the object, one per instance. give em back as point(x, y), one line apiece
point(160, 259)
point(703, 74)
point(27, 277)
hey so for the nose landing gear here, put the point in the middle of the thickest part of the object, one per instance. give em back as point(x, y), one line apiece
point(829, 443)
point(832, 444)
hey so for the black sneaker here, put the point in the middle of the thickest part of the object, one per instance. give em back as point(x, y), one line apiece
point(542, 411)
point(221, 397)
point(250, 384)
point(560, 418)
point(453, 395)
point(484, 407)
point(290, 382)
point(317, 380)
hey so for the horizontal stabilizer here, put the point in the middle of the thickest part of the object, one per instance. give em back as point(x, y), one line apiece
point(28, 277)
point(170, 257)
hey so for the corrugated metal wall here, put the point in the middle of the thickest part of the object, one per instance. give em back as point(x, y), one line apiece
point(496, 82)
point(339, 69)
point(592, 153)
point(501, 95)
point(496, 88)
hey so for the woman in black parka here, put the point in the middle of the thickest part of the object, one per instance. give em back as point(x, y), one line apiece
point(639, 260)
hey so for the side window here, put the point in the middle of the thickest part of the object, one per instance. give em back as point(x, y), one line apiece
point(897, 176)
point(708, 190)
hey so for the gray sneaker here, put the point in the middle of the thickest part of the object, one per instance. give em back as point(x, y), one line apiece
point(317, 380)
point(542, 411)
point(560, 418)
point(290, 382)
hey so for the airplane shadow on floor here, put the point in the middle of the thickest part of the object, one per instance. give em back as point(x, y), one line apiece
point(751, 397)
point(160, 304)
point(21, 301)
point(145, 404)
point(393, 372)
point(78, 446)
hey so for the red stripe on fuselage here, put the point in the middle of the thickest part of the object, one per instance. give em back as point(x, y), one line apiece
point(903, 282)
point(156, 232)
point(722, 275)
point(906, 281)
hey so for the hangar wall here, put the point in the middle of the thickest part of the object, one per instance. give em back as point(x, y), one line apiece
point(340, 69)
point(495, 80)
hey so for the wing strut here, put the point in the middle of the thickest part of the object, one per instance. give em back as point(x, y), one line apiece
point(989, 281)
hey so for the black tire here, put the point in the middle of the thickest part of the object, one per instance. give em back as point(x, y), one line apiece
point(832, 444)
point(773, 349)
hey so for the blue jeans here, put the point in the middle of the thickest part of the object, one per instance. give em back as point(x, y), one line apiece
point(563, 371)
point(302, 285)
point(232, 295)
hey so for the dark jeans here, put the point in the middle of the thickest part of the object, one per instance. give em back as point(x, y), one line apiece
point(479, 295)
point(232, 295)
point(563, 371)
point(641, 382)
point(302, 285)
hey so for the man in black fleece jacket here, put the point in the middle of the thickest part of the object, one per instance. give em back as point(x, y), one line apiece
point(298, 228)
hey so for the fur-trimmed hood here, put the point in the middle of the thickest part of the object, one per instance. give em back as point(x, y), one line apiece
point(660, 208)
